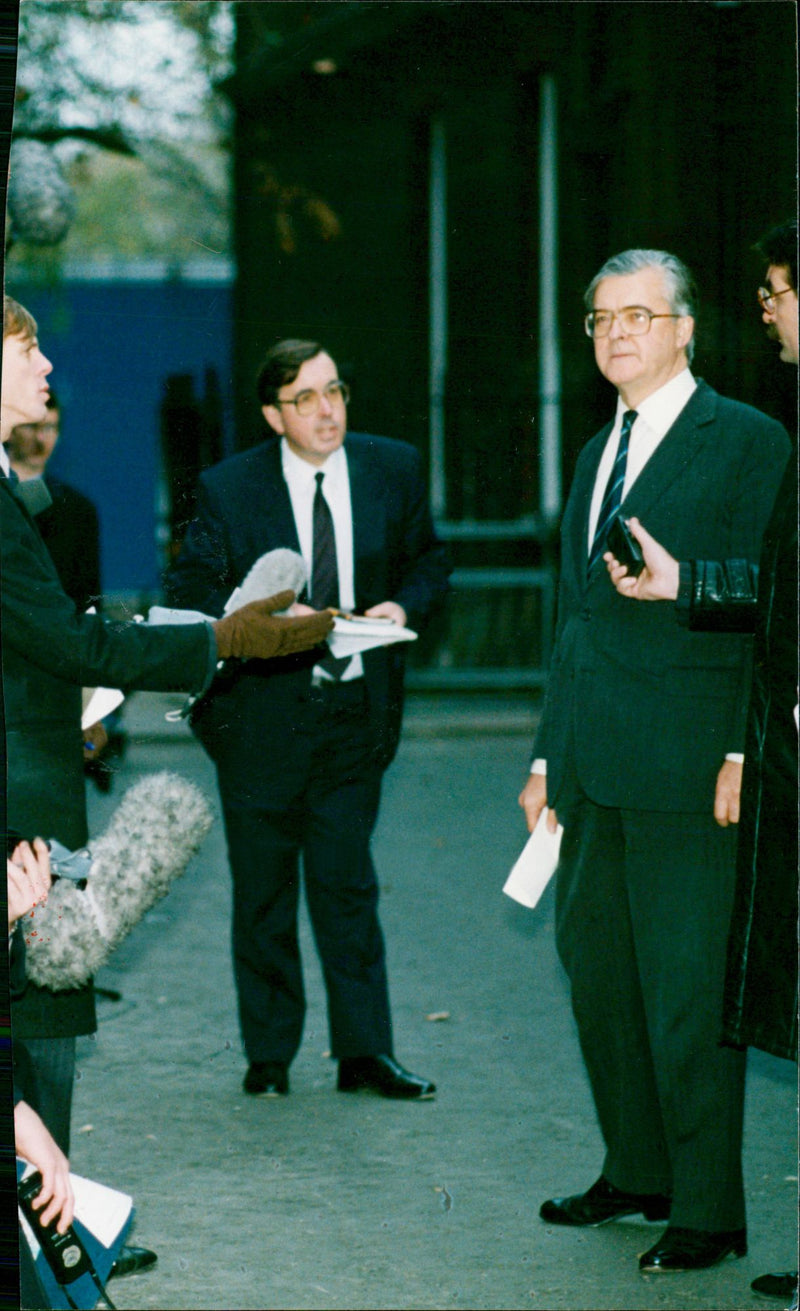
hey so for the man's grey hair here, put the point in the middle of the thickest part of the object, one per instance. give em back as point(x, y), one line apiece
point(679, 285)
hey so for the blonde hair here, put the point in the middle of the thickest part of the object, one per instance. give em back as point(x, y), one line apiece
point(17, 321)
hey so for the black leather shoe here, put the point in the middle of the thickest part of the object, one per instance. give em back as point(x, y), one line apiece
point(602, 1203)
point(784, 1285)
point(693, 1249)
point(383, 1075)
point(265, 1079)
point(131, 1261)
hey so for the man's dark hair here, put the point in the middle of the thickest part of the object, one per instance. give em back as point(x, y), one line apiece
point(779, 247)
point(282, 365)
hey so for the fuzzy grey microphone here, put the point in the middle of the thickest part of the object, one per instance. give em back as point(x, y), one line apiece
point(153, 833)
point(272, 573)
point(41, 203)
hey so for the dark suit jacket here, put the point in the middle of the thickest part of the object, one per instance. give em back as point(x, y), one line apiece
point(71, 532)
point(49, 653)
point(640, 711)
point(243, 511)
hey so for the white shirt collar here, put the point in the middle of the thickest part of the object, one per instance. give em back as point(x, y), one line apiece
point(301, 473)
point(5, 463)
point(661, 408)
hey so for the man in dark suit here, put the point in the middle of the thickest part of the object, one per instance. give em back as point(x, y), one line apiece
point(300, 747)
point(49, 651)
point(638, 754)
point(761, 977)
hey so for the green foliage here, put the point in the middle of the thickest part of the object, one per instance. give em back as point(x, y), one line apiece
point(124, 91)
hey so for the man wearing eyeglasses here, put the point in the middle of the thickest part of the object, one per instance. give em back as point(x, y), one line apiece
point(300, 748)
point(761, 980)
point(638, 755)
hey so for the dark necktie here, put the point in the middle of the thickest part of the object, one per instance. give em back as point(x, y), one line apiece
point(612, 497)
point(324, 569)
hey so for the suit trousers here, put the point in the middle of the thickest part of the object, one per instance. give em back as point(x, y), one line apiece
point(316, 795)
point(643, 904)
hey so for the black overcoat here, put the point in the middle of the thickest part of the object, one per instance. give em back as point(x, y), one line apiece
point(761, 980)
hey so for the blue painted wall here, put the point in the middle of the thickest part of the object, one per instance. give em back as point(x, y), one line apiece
point(112, 345)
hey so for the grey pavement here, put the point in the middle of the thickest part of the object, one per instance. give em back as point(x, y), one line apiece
point(321, 1200)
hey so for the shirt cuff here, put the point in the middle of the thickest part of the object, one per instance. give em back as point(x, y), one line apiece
point(737, 756)
point(539, 766)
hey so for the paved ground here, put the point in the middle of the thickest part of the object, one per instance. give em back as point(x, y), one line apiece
point(329, 1201)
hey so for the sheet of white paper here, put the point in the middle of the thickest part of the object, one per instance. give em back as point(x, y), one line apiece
point(102, 1210)
point(164, 614)
point(352, 635)
point(535, 866)
point(101, 703)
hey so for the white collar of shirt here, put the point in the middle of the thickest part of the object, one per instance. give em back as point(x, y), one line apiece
point(5, 463)
point(655, 417)
point(300, 476)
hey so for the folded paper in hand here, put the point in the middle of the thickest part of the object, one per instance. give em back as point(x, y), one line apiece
point(362, 634)
point(536, 865)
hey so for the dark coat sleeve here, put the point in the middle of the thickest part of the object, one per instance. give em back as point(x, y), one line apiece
point(41, 626)
point(717, 595)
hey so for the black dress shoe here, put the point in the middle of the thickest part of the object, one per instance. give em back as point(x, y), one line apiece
point(265, 1079)
point(602, 1203)
point(131, 1260)
point(784, 1285)
point(693, 1249)
point(383, 1075)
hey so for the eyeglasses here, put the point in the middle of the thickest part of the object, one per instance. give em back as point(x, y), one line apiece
point(308, 402)
point(634, 320)
point(767, 298)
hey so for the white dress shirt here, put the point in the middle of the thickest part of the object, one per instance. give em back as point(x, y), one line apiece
point(655, 417)
point(300, 478)
point(5, 463)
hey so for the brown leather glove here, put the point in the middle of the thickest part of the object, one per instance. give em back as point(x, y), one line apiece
point(254, 632)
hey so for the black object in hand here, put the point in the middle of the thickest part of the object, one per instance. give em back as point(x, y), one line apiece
point(624, 547)
point(64, 1253)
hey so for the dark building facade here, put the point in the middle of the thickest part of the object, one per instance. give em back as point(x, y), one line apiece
point(427, 189)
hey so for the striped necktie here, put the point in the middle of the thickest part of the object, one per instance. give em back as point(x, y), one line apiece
point(324, 570)
point(612, 497)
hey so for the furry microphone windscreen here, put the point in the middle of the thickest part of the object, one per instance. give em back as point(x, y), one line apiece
point(153, 833)
point(41, 203)
point(271, 573)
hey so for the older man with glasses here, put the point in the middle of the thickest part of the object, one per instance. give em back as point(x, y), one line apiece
point(300, 749)
point(761, 981)
point(638, 755)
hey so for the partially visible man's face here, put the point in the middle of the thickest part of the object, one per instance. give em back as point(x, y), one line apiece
point(24, 390)
point(639, 365)
point(312, 436)
point(32, 444)
point(782, 321)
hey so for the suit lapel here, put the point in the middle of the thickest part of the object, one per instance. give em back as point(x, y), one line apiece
point(688, 435)
point(583, 487)
point(368, 506)
point(272, 520)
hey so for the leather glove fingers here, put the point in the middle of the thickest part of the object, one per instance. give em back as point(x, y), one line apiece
point(255, 632)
